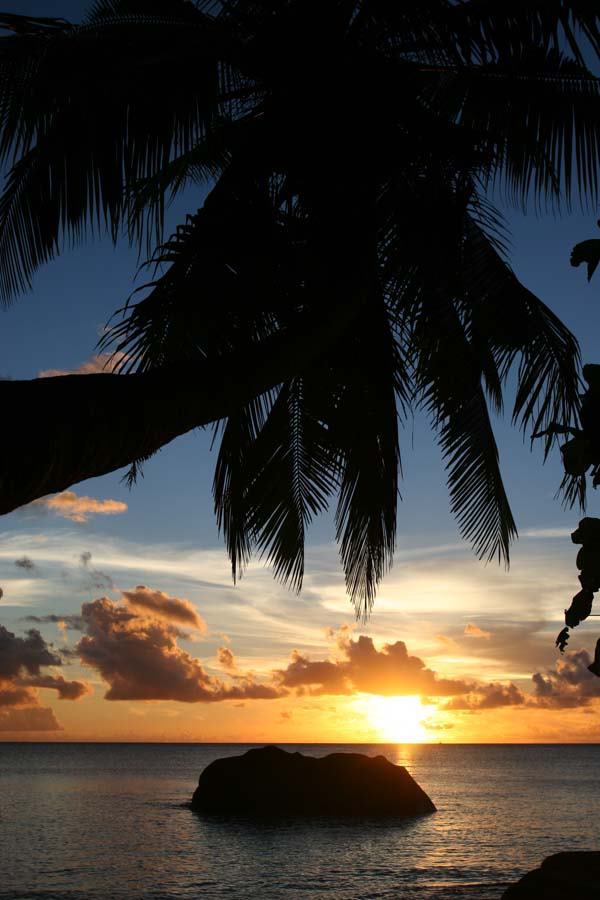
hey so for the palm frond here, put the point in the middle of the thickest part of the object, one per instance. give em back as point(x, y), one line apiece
point(230, 275)
point(448, 378)
point(139, 123)
point(522, 330)
point(364, 426)
point(536, 113)
point(238, 435)
point(276, 470)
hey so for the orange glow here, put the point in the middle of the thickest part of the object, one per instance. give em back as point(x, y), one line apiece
point(397, 720)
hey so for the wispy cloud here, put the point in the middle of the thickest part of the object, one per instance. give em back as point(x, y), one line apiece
point(475, 631)
point(68, 505)
point(100, 363)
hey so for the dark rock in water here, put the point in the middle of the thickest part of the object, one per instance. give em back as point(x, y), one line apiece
point(272, 782)
point(560, 877)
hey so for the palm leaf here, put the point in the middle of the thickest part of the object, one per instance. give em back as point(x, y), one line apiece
point(448, 378)
point(522, 330)
point(89, 163)
point(230, 484)
point(275, 472)
point(371, 378)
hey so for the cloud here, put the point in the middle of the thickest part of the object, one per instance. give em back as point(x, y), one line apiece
point(25, 563)
point(445, 640)
point(13, 695)
point(29, 653)
point(36, 718)
point(140, 659)
point(98, 580)
point(68, 505)
point(64, 622)
point(477, 632)
point(163, 606)
point(569, 684)
point(389, 671)
point(488, 696)
point(101, 363)
point(226, 659)
point(432, 725)
point(67, 690)
point(21, 662)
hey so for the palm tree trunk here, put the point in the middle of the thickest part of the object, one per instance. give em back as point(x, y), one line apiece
point(64, 429)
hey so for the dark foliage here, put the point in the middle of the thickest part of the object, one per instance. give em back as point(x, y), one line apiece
point(348, 151)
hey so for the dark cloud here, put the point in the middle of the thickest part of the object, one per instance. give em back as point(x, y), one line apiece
point(97, 580)
point(25, 563)
point(569, 684)
point(488, 696)
point(157, 603)
point(35, 718)
point(140, 659)
point(389, 671)
point(68, 622)
point(21, 662)
point(13, 695)
point(30, 653)
point(67, 690)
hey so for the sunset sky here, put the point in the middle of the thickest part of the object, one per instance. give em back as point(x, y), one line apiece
point(139, 633)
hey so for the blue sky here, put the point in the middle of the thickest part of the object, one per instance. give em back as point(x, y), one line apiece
point(168, 537)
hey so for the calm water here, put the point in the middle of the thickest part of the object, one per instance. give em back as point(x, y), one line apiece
point(107, 821)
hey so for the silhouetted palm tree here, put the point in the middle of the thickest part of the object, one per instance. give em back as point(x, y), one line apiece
point(346, 265)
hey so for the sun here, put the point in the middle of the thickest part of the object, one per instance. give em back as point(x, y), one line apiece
point(397, 720)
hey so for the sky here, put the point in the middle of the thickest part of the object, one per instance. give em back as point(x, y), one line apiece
point(119, 619)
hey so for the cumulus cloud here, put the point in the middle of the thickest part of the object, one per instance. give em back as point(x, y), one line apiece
point(226, 659)
point(21, 662)
point(569, 684)
point(25, 563)
point(389, 671)
point(68, 505)
point(139, 658)
point(159, 604)
point(476, 632)
point(101, 363)
point(66, 690)
point(488, 696)
point(30, 653)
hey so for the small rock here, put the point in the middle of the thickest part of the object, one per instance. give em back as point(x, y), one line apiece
point(561, 877)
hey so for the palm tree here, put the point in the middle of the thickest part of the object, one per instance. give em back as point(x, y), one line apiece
point(346, 264)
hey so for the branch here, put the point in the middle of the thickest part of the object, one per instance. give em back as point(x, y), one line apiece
point(62, 430)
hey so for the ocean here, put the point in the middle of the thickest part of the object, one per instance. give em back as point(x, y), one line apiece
point(109, 821)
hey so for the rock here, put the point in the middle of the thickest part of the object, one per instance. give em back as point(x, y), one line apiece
point(273, 782)
point(561, 876)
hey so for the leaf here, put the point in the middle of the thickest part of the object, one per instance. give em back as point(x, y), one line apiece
point(586, 252)
point(370, 376)
point(275, 472)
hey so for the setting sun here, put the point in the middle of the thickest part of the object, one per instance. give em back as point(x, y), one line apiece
point(398, 720)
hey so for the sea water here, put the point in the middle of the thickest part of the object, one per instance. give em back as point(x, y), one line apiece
point(109, 821)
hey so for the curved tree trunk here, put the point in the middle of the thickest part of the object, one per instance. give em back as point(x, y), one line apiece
point(64, 429)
